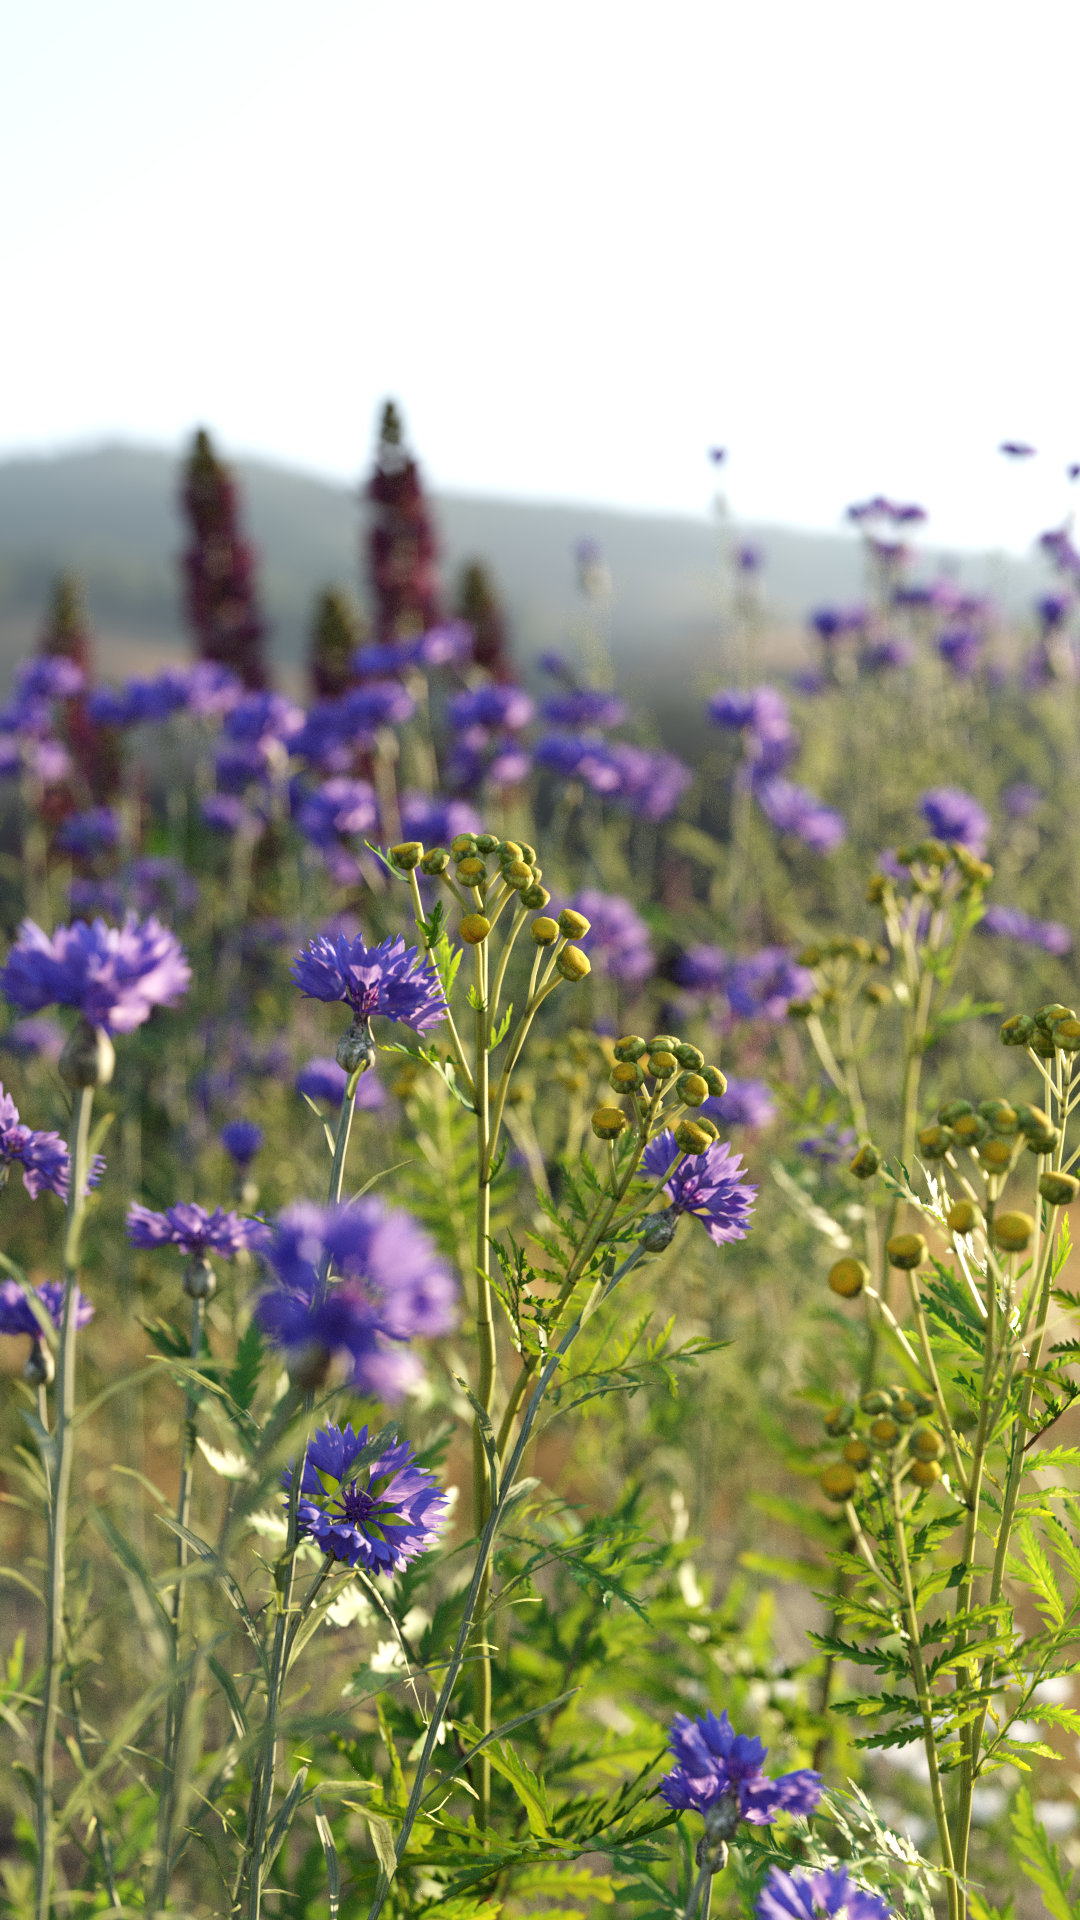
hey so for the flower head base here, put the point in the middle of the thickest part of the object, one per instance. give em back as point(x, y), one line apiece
point(115, 976)
point(378, 1516)
point(195, 1231)
point(386, 980)
point(708, 1186)
point(715, 1764)
point(828, 1895)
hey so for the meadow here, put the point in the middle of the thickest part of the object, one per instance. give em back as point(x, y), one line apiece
point(539, 1335)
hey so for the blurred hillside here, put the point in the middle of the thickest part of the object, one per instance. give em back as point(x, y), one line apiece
point(109, 515)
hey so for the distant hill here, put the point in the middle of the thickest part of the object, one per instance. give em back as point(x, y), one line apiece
point(110, 516)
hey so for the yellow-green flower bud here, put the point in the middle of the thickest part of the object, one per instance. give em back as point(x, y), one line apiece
point(857, 1454)
point(1017, 1030)
point(877, 992)
point(630, 1047)
point(935, 1142)
point(995, 1155)
point(904, 1410)
point(474, 929)
point(692, 1138)
point(436, 860)
point(866, 1162)
point(573, 964)
point(876, 888)
point(662, 1065)
point(875, 1401)
point(1066, 1035)
point(884, 1431)
point(528, 853)
point(1013, 1231)
point(921, 1402)
point(906, 1250)
point(690, 1057)
point(545, 931)
point(838, 1482)
point(925, 1443)
point(487, 842)
point(471, 871)
point(963, 1217)
point(573, 924)
point(1044, 1142)
point(508, 850)
point(534, 897)
point(626, 1076)
point(802, 1009)
point(969, 1130)
point(932, 853)
point(407, 855)
point(1059, 1189)
point(707, 1126)
point(517, 874)
point(692, 1089)
point(715, 1081)
point(976, 872)
point(1000, 1117)
point(954, 1110)
point(839, 1420)
point(1047, 1017)
point(609, 1122)
point(810, 957)
point(665, 1043)
point(925, 1473)
point(537, 872)
point(462, 845)
point(848, 1277)
point(1043, 1044)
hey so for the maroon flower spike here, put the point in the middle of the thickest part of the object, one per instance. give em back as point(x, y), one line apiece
point(478, 605)
point(94, 749)
point(400, 541)
point(219, 568)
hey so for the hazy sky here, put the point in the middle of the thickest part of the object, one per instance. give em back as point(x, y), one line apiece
point(580, 240)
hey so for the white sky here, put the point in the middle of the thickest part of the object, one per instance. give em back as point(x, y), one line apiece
point(580, 240)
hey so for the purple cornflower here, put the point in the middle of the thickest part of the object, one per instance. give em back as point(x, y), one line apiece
point(1021, 799)
point(226, 813)
point(887, 655)
point(961, 648)
point(714, 1763)
point(649, 784)
point(264, 720)
point(791, 809)
point(43, 1157)
point(833, 1144)
point(703, 970)
point(241, 1140)
point(35, 1039)
point(379, 1517)
point(393, 1285)
point(584, 707)
point(706, 1185)
point(762, 708)
point(1016, 449)
point(323, 1079)
point(617, 935)
point(84, 834)
point(1013, 924)
point(339, 806)
point(194, 1231)
point(494, 706)
point(825, 1895)
point(746, 1103)
point(18, 1316)
point(115, 976)
point(832, 623)
point(445, 645)
point(762, 985)
point(952, 814)
point(434, 820)
point(386, 979)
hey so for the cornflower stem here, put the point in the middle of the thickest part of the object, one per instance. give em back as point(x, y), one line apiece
point(922, 1693)
point(700, 1892)
point(284, 1576)
point(487, 1540)
point(63, 1449)
point(485, 1344)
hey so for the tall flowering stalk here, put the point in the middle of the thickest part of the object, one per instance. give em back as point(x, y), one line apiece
point(401, 550)
point(219, 570)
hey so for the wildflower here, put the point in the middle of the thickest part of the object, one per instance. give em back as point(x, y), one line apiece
point(434, 820)
point(493, 706)
point(1013, 924)
point(35, 1039)
point(194, 1231)
point(708, 1186)
point(43, 1157)
point(323, 1079)
point(793, 810)
point(833, 1144)
point(84, 834)
point(339, 806)
point(961, 648)
point(386, 980)
point(18, 1316)
point(952, 814)
point(617, 936)
point(747, 1103)
point(401, 540)
point(714, 1763)
point(886, 655)
point(584, 707)
point(826, 1895)
point(241, 1140)
point(379, 1517)
point(1021, 799)
point(1016, 449)
point(115, 976)
point(703, 970)
point(762, 985)
point(219, 568)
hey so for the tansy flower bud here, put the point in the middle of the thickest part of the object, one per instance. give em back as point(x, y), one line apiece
point(875, 889)
point(537, 872)
point(963, 1217)
point(906, 1250)
point(934, 1142)
point(839, 1420)
point(1043, 1044)
point(690, 1057)
point(875, 1401)
point(932, 853)
point(662, 1065)
point(435, 860)
point(509, 850)
point(848, 1277)
point(857, 1454)
point(517, 874)
point(692, 1138)
point(925, 1443)
point(838, 1482)
point(545, 931)
point(968, 1130)
point(975, 871)
point(407, 855)
point(809, 957)
point(877, 992)
point(626, 1076)
point(904, 1410)
point(925, 1473)
point(463, 844)
point(866, 1162)
point(573, 924)
point(692, 1088)
point(921, 1402)
point(954, 1110)
point(487, 842)
point(665, 1043)
point(528, 853)
point(630, 1047)
point(1017, 1030)
point(1066, 1035)
point(572, 963)
point(609, 1122)
point(1059, 1189)
point(471, 871)
point(474, 929)
point(1043, 1142)
point(1048, 1016)
point(1000, 1117)
point(995, 1155)
point(802, 1009)
point(533, 897)
point(884, 1431)
point(707, 1126)
point(1013, 1231)
point(715, 1081)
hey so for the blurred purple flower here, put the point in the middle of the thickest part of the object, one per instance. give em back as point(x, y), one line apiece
point(42, 1157)
point(18, 1316)
point(85, 834)
point(1021, 799)
point(1016, 449)
point(761, 986)
point(961, 648)
point(826, 1895)
point(617, 936)
point(1012, 924)
point(833, 1144)
point(35, 1039)
point(492, 706)
point(703, 970)
point(323, 1079)
point(115, 976)
point(584, 707)
point(746, 1103)
point(194, 1231)
point(952, 814)
point(887, 655)
point(436, 821)
point(791, 809)
point(241, 1140)
point(339, 806)
point(387, 980)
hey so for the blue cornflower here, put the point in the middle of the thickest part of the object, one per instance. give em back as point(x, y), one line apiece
point(762, 985)
point(584, 707)
point(84, 834)
point(18, 1316)
point(493, 706)
point(35, 1039)
point(1014, 924)
point(241, 1140)
point(323, 1079)
point(746, 1103)
point(831, 1146)
point(952, 814)
point(194, 1231)
point(380, 1517)
point(339, 806)
point(714, 1763)
point(115, 976)
point(827, 1895)
point(792, 809)
point(703, 970)
point(617, 937)
point(436, 821)
point(707, 1185)
point(43, 1157)
point(386, 979)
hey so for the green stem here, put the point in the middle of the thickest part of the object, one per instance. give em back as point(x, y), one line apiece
point(922, 1692)
point(485, 1342)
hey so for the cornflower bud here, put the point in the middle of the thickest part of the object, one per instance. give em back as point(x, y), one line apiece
point(626, 1076)
point(968, 1130)
point(906, 1250)
point(609, 1122)
point(692, 1088)
point(544, 931)
point(471, 871)
point(690, 1057)
point(925, 1473)
point(866, 1162)
point(199, 1281)
point(692, 1138)
point(462, 845)
point(573, 924)
point(839, 1420)
point(573, 964)
point(838, 1482)
point(963, 1217)
point(1059, 1189)
point(884, 1431)
point(996, 1155)
point(715, 1081)
point(356, 1049)
point(935, 1142)
point(487, 842)
point(630, 1047)
point(1013, 1231)
point(925, 1443)
point(954, 1110)
point(89, 1057)
point(661, 1065)
point(517, 874)
point(534, 897)
point(436, 860)
point(40, 1368)
point(848, 1277)
point(857, 1454)
point(1000, 1117)
point(474, 929)
point(1066, 1035)
point(407, 855)
point(658, 1230)
point(1017, 1030)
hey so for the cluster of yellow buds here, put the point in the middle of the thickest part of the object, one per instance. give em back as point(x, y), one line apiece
point(1051, 1030)
point(889, 1425)
point(680, 1078)
point(995, 1133)
point(839, 967)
